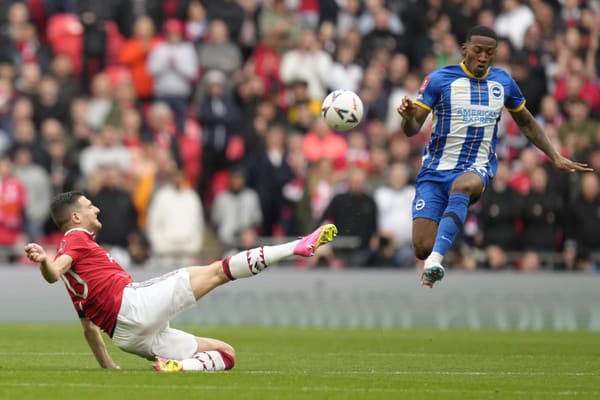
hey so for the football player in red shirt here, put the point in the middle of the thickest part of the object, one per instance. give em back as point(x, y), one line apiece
point(136, 315)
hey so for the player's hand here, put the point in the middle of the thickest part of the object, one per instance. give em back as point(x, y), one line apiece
point(35, 252)
point(407, 108)
point(565, 164)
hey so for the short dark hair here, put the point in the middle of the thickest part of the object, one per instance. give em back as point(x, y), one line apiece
point(61, 207)
point(480, 30)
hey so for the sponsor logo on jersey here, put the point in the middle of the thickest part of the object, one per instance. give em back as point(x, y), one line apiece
point(478, 115)
point(420, 204)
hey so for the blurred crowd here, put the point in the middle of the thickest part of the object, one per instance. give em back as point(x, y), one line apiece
point(194, 125)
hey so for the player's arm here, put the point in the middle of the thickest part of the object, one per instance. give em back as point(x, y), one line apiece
point(93, 336)
point(534, 132)
point(51, 270)
point(413, 116)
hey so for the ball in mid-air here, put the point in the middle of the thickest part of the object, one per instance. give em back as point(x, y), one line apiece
point(342, 110)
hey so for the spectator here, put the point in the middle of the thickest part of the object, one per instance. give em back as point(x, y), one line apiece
point(196, 25)
point(106, 149)
point(268, 172)
point(119, 216)
point(541, 213)
point(219, 52)
point(161, 130)
point(62, 71)
point(134, 55)
point(583, 225)
point(25, 135)
point(48, 103)
point(375, 9)
point(309, 63)
point(355, 214)
point(228, 11)
point(302, 102)
point(234, 210)
point(63, 174)
point(219, 118)
point(498, 219)
point(172, 65)
point(100, 103)
point(176, 222)
point(513, 21)
point(12, 209)
point(394, 215)
point(38, 191)
point(345, 73)
point(317, 194)
point(321, 142)
point(531, 82)
point(579, 131)
point(278, 22)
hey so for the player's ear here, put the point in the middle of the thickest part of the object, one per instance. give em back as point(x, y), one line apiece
point(75, 217)
point(463, 49)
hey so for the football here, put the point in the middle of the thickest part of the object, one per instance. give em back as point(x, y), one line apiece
point(342, 110)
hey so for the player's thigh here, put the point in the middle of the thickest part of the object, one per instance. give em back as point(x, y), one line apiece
point(472, 183)
point(207, 344)
point(206, 278)
point(431, 199)
point(148, 305)
point(174, 344)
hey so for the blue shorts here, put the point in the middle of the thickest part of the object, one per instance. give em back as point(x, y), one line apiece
point(433, 189)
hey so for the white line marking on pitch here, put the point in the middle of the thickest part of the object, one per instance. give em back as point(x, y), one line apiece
point(303, 388)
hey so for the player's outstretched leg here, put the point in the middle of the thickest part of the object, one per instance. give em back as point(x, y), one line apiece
point(251, 262)
point(211, 360)
point(450, 225)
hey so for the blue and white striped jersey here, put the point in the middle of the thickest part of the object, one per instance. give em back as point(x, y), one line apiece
point(466, 111)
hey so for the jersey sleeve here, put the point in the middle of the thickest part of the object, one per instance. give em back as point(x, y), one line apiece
point(75, 246)
point(429, 92)
point(514, 100)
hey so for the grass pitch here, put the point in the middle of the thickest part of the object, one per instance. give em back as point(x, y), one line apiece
point(53, 362)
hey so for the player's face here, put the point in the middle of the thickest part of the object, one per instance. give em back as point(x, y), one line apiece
point(479, 54)
point(88, 215)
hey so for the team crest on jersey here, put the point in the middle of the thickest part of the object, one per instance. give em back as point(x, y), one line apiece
point(424, 84)
point(496, 91)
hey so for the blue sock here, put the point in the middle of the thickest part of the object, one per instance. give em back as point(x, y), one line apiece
point(451, 223)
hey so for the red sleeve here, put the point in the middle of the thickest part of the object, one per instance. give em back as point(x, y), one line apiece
point(75, 246)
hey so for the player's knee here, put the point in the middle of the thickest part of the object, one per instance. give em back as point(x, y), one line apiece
point(422, 248)
point(228, 354)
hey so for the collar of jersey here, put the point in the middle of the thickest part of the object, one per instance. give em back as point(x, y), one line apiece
point(470, 74)
point(79, 229)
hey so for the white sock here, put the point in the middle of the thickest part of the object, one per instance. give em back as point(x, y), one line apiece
point(433, 259)
point(251, 262)
point(212, 360)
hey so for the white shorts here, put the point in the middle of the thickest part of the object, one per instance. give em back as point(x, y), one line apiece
point(143, 322)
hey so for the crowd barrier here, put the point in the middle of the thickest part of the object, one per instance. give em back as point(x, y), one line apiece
point(352, 298)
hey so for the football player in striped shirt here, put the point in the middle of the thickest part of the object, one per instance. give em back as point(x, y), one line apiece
point(466, 101)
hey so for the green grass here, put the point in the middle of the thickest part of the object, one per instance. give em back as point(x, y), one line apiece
point(53, 362)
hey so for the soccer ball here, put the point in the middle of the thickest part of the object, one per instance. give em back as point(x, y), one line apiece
point(342, 110)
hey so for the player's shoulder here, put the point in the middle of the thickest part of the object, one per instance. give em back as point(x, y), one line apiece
point(445, 75)
point(447, 72)
point(499, 74)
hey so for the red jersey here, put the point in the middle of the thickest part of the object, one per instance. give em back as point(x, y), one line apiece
point(95, 281)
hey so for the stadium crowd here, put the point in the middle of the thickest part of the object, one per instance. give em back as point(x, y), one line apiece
point(194, 125)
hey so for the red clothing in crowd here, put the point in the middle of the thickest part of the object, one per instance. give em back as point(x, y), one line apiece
point(12, 209)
